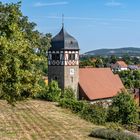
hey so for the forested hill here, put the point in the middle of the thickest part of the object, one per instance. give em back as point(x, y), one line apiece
point(131, 51)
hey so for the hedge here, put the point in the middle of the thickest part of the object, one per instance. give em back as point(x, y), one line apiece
point(112, 134)
point(94, 113)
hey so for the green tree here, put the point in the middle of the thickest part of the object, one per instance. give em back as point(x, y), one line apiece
point(19, 75)
point(53, 92)
point(42, 46)
point(113, 59)
point(123, 109)
point(99, 63)
point(38, 41)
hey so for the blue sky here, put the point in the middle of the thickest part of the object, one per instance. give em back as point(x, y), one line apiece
point(94, 23)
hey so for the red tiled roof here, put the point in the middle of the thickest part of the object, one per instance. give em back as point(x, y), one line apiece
point(99, 83)
point(122, 64)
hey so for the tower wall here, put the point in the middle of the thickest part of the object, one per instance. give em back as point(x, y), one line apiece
point(71, 78)
point(56, 73)
point(63, 61)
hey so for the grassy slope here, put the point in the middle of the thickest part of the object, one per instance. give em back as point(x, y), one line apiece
point(41, 120)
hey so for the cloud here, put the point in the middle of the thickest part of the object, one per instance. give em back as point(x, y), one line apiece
point(113, 3)
point(39, 4)
point(104, 20)
point(72, 18)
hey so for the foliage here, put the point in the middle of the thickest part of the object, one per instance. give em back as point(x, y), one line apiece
point(99, 62)
point(131, 127)
point(51, 92)
point(19, 76)
point(42, 45)
point(123, 109)
point(114, 126)
point(22, 53)
point(74, 105)
point(131, 79)
point(43, 90)
point(112, 134)
point(68, 93)
point(106, 61)
point(86, 63)
point(95, 113)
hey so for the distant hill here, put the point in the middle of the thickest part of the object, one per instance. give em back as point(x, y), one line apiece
point(131, 51)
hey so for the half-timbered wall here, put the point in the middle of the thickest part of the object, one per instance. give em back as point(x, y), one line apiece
point(64, 58)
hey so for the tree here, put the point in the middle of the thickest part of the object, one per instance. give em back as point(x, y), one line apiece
point(52, 93)
point(42, 47)
point(123, 109)
point(19, 76)
point(99, 63)
point(113, 59)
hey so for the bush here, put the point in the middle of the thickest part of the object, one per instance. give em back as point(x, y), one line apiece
point(112, 134)
point(43, 90)
point(95, 113)
point(74, 105)
point(68, 93)
point(123, 109)
point(51, 92)
point(114, 126)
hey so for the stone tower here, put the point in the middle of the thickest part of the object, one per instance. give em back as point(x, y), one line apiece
point(63, 61)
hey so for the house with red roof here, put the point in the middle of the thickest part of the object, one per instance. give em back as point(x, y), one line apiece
point(98, 84)
point(119, 66)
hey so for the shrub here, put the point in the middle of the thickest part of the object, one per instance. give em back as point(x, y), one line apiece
point(43, 90)
point(123, 109)
point(68, 93)
point(112, 134)
point(95, 113)
point(74, 105)
point(114, 126)
point(51, 92)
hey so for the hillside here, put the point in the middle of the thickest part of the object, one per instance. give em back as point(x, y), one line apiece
point(131, 51)
point(41, 120)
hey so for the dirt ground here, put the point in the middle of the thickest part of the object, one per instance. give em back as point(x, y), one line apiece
point(41, 120)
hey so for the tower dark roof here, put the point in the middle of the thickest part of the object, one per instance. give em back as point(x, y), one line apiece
point(64, 41)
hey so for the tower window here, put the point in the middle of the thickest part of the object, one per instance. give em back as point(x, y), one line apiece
point(55, 78)
point(71, 56)
point(72, 79)
point(55, 56)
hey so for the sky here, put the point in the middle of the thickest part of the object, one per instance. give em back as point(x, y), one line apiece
point(95, 24)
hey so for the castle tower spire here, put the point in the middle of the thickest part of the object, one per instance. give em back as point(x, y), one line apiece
point(62, 20)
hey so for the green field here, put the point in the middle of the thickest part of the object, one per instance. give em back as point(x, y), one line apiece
point(41, 120)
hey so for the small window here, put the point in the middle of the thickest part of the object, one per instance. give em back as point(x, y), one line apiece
point(55, 56)
point(71, 79)
point(71, 42)
point(71, 56)
point(55, 78)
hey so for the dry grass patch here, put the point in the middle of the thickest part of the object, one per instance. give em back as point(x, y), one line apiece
point(41, 120)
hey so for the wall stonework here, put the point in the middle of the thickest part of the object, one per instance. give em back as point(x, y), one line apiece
point(66, 76)
point(71, 79)
point(56, 73)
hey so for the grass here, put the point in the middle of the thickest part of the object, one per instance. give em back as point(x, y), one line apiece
point(41, 120)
